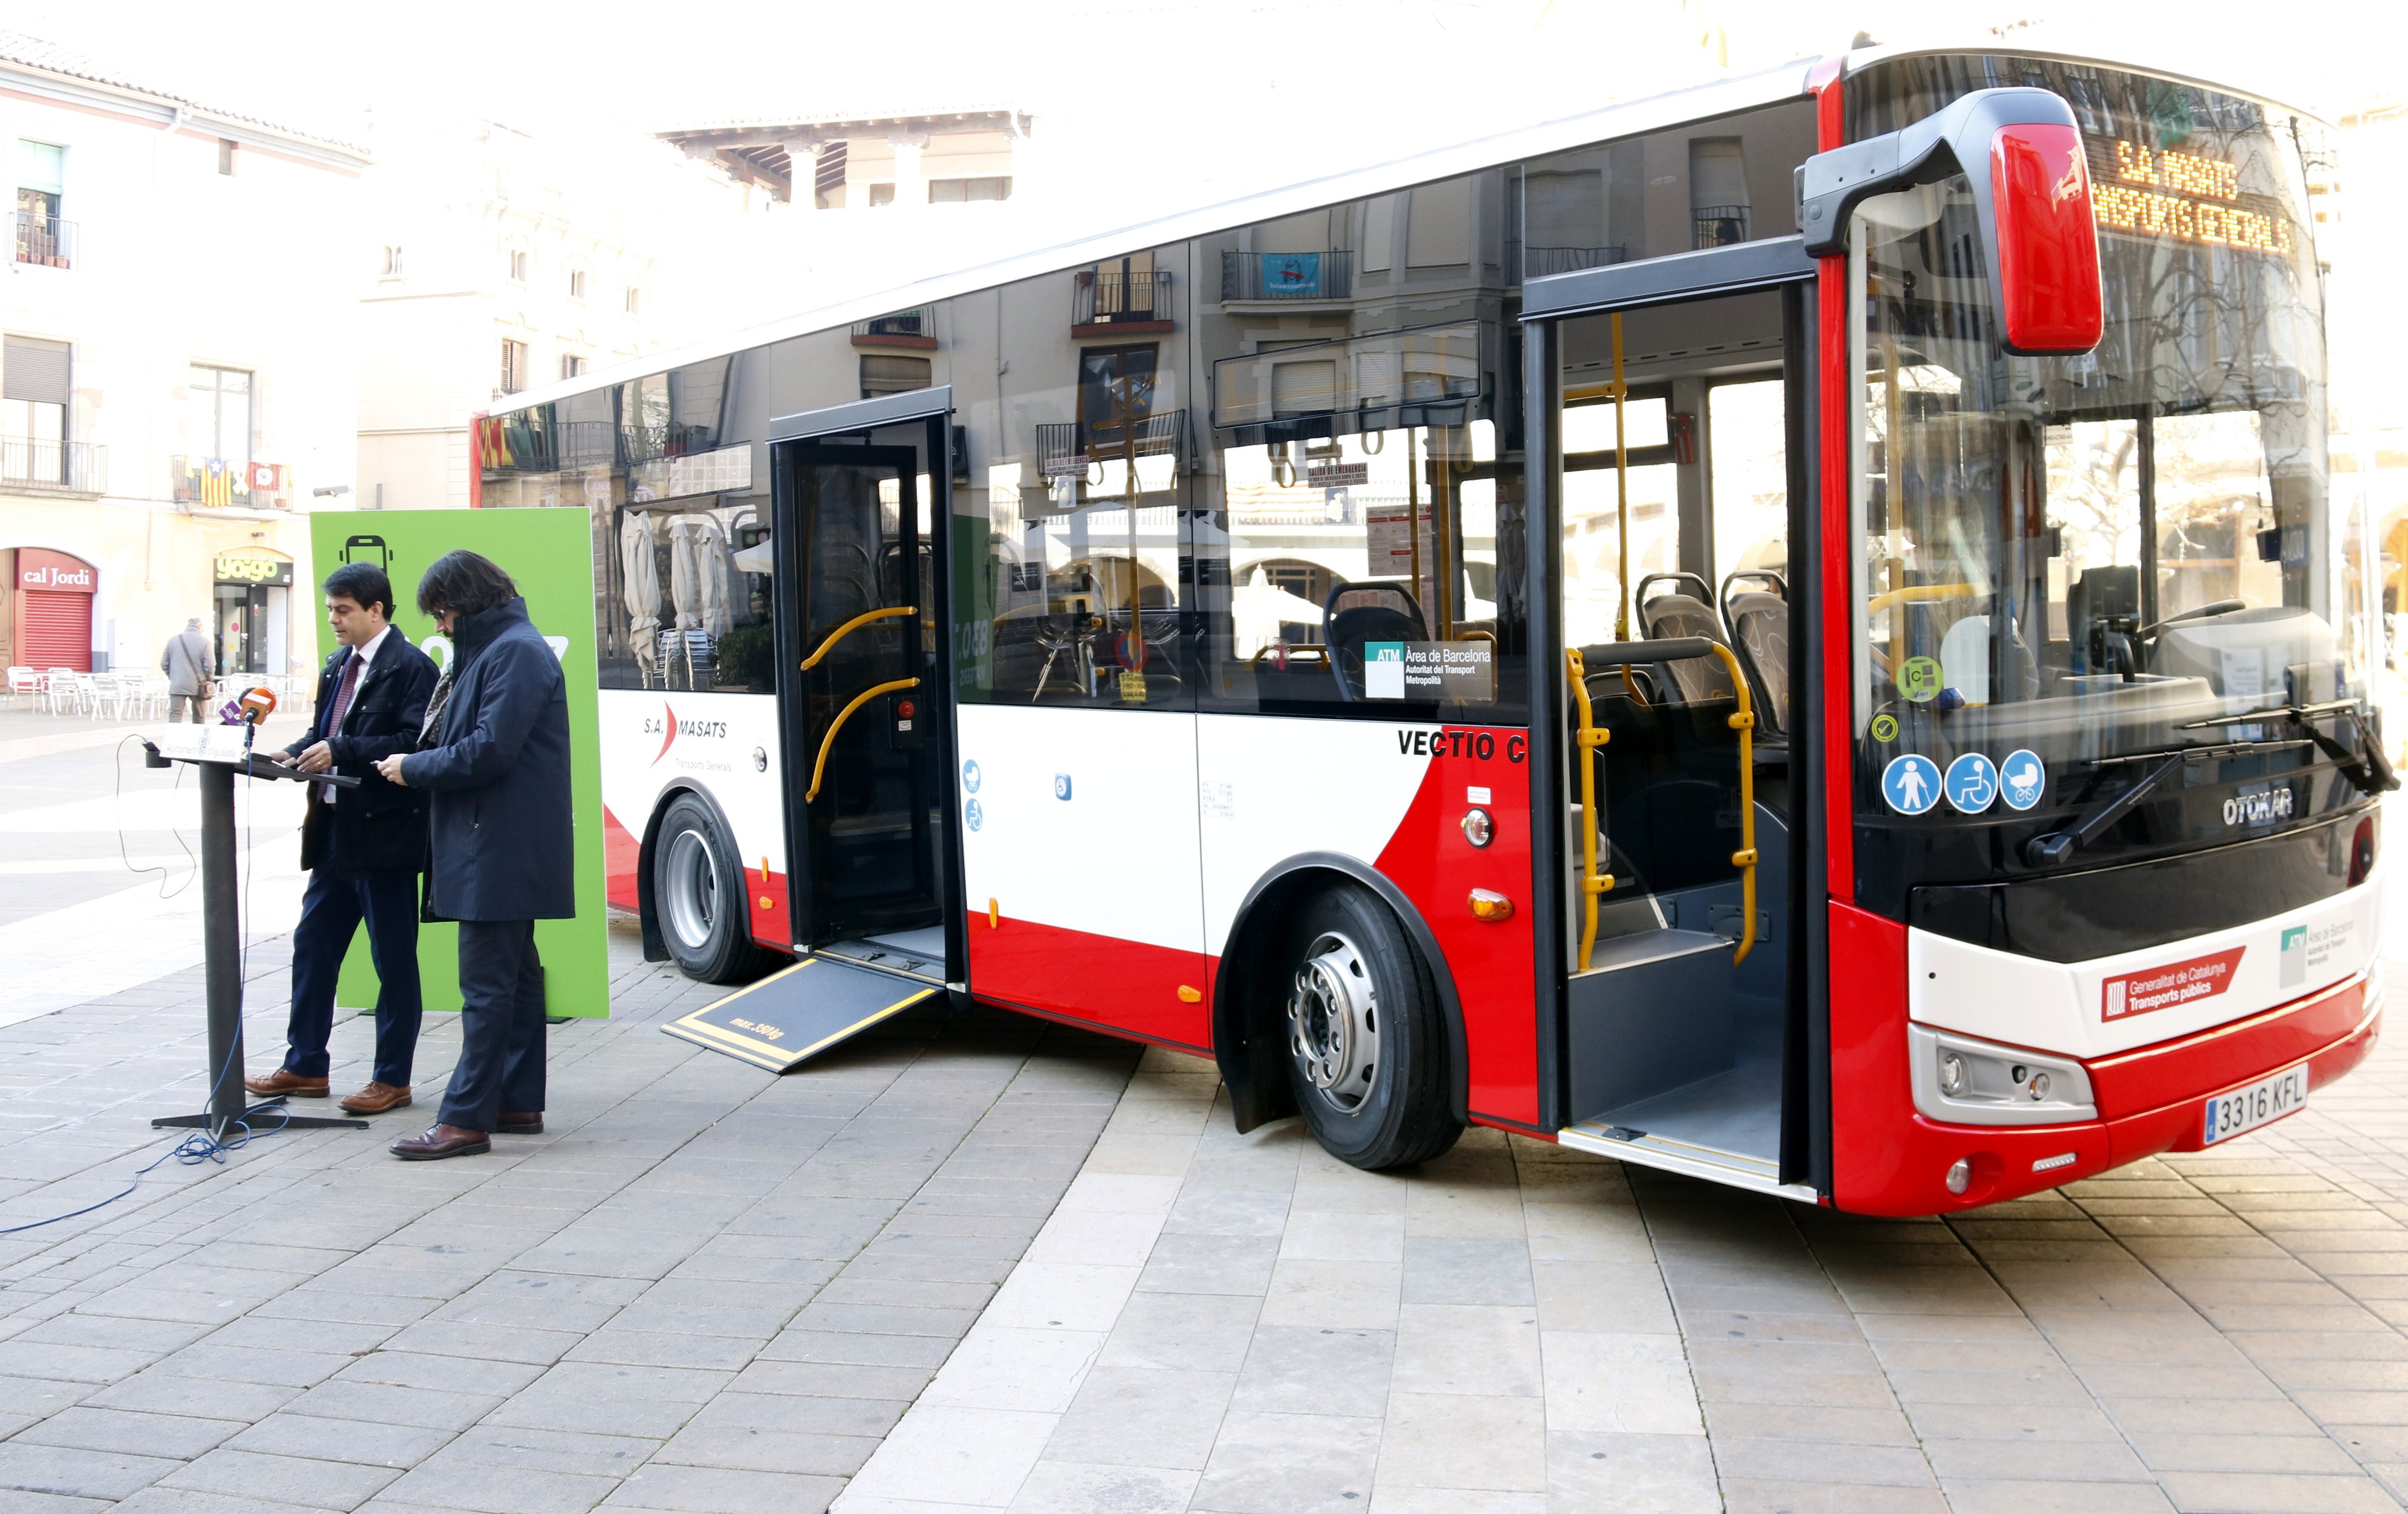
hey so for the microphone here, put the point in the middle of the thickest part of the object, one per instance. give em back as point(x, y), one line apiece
point(257, 704)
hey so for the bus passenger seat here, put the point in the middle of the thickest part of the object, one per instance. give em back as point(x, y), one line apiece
point(1696, 680)
point(1761, 636)
point(1356, 614)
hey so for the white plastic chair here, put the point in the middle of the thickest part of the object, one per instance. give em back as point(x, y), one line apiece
point(25, 685)
point(59, 690)
point(152, 699)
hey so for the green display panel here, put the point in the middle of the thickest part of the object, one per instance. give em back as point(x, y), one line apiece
point(550, 554)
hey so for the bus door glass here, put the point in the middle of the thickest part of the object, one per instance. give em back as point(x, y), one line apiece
point(1673, 491)
point(864, 760)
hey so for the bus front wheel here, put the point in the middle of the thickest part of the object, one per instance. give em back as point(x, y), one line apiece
point(1366, 1046)
point(698, 896)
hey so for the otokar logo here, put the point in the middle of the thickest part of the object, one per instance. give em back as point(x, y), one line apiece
point(2260, 805)
point(668, 728)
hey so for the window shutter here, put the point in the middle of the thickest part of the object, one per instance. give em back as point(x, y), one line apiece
point(54, 630)
point(33, 369)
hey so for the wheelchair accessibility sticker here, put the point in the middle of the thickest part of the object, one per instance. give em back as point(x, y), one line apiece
point(1911, 783)
point(2021, 778)
point(975, 813)
point(1062, 786)
point(1972, 783)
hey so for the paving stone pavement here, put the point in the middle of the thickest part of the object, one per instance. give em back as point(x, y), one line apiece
point(702, 1288)
point(1242, 1325)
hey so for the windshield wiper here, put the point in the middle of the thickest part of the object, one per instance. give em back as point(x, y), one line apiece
point(2049, 850)
point(2366, 764)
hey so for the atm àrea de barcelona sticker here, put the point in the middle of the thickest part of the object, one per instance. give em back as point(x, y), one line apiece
point(2167, 985)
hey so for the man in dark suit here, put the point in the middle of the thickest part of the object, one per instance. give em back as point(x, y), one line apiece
point(499, 820)
point(365, 848)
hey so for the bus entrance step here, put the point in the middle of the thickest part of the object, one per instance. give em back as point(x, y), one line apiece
point(793, 1015)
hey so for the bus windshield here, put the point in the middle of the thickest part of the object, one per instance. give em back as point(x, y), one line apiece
point(2067, 564)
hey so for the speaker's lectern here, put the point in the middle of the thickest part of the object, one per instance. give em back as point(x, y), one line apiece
point(217, 753)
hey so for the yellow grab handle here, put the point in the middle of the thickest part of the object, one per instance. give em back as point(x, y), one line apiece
point(1743, 722)
point(819, 768)
point(849, 627)
point(1593, 883)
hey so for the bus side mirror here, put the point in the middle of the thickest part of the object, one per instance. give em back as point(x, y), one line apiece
point(2021, 154)
point(2044, 242)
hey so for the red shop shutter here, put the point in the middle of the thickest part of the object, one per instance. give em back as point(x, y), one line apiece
point(54, 630)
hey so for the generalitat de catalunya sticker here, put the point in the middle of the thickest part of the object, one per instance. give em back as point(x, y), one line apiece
point(2165, 986)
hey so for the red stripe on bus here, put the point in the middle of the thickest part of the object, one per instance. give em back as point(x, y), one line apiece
point(623, 854)
point(1492, 962)
point(1129, 986)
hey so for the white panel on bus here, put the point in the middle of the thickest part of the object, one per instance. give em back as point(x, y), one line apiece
point(2138, 998)
point(1273, 788)
point(1083, 818)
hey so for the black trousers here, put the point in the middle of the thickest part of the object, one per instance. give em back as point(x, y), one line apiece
point(331, 912)
point(501, 1025)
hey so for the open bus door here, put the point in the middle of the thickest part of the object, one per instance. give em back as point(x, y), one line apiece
point(1668, 463)
point(861, 700)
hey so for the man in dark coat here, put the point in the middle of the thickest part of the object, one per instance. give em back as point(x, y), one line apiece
point(499, 819)
point(365, 848)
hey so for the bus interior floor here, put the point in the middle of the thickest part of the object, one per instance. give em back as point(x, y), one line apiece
point(1738, 1110)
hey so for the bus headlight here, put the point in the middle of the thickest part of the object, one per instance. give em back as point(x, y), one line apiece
point(1965, 1082)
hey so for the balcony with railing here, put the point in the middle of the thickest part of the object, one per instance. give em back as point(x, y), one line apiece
point(1113, 300)
point(1287, 277)
point(1720, 225)
point(915, 330)
point(1074, 449)
point(63, 468)
point(1539, 262)
point(45, 241)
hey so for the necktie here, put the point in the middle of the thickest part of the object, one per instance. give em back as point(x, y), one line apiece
point(343, 708)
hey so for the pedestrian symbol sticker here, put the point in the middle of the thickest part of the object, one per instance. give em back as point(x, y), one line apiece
point(1918, 679)
point(1885, 728)
point(1972, 783)
point(975, 813)
point(970, 776)
point(1911, 783)
point(2021, 778)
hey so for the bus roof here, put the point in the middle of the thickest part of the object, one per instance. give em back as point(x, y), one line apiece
point(1631, 118)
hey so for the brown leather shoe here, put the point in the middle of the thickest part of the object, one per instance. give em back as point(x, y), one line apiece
point(291, 1085)
point(440, 1141)
point(376, 1099)
point(518, 1124)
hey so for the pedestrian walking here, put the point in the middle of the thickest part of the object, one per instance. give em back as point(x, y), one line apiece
point(186, 663)
point(496, 776)
point(363, 848)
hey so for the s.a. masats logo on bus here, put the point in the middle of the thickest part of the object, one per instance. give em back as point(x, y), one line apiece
point(2166, 986)
point(668, 728)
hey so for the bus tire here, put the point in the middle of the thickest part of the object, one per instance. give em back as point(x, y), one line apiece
point(698, 896)
point(1366, 1041)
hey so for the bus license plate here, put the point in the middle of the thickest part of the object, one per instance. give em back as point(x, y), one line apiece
point(2230, 1114)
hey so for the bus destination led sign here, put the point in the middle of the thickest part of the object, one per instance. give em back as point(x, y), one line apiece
point(2184, 198)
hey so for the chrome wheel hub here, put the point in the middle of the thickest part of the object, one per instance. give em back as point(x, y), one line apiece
point(690, 899)
point(1333, 1021)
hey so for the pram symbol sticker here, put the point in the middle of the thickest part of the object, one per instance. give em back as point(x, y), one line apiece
point(1972, 783)
point(2021, 778)
point(1911, 783)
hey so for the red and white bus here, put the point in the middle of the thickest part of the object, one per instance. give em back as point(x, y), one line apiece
point(1797, 632)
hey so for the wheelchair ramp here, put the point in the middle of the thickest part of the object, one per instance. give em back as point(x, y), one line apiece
point(791, 1016)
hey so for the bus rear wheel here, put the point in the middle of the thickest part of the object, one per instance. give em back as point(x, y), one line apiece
point(1366, 1045)
point(698, 896)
